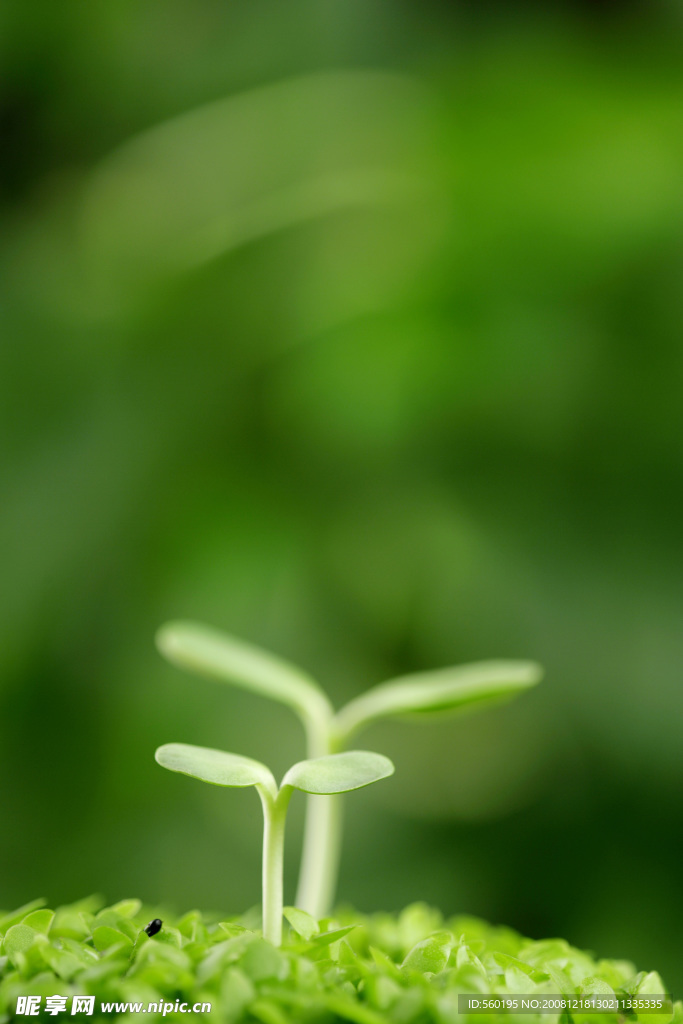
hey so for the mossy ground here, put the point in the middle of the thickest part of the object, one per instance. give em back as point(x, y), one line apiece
point(407, 968)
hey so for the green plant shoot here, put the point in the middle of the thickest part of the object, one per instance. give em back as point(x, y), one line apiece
point(217, 655)
point(338, 773)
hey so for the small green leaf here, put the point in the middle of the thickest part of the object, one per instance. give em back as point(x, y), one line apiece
point(383, 991)
point(85, 954)
point(112, 919)
point(15, 916)
point(384, 962)
point(215, 766)
point(431, 954)
point(327, 938)
point(251, 918)
point(516, 980)
point(238, 991)
point(127, 908)
point(69, 924)
point(220, 656)
point(230, 928)
point(650, 983)
point(65, 965)
point(223, 953)
point(418, 921)
point(347, 957)
point(302, 923)
point(104, 937)
point(261, 960)
point(617, 972)
point(192, 927)
point(169, 936)
point(350, 1010)
point(506, 960)
point(447, 689)
point(18, 939)
point(89, 904)
point(268, 1012)
point(471, 978)
point(338, 773)
point(594, 986)
point(41, 920)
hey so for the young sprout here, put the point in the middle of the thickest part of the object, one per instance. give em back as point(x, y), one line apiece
point(219, 656)
point(338, 773)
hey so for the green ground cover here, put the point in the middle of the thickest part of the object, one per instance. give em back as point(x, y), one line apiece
point(409, 968)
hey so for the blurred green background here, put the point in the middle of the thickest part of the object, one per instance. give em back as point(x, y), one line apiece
point(353, 328)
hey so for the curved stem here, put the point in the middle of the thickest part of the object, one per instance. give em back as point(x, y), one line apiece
point(274, 818)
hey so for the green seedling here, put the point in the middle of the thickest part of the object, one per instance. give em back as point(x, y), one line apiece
point(219, 656)
point(338, 773)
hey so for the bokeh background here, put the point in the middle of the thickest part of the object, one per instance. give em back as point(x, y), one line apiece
point(353, 328)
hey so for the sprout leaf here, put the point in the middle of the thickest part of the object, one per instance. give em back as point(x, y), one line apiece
point(301, 922)
point(338, 773)
point(214, 766)
point(448, 689)
point(213, 653)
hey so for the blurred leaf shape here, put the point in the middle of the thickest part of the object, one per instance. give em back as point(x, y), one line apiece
point(220, 656)
point(235, 170)
point(447, 689)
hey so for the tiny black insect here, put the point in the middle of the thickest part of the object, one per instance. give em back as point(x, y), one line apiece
point(154, 926)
